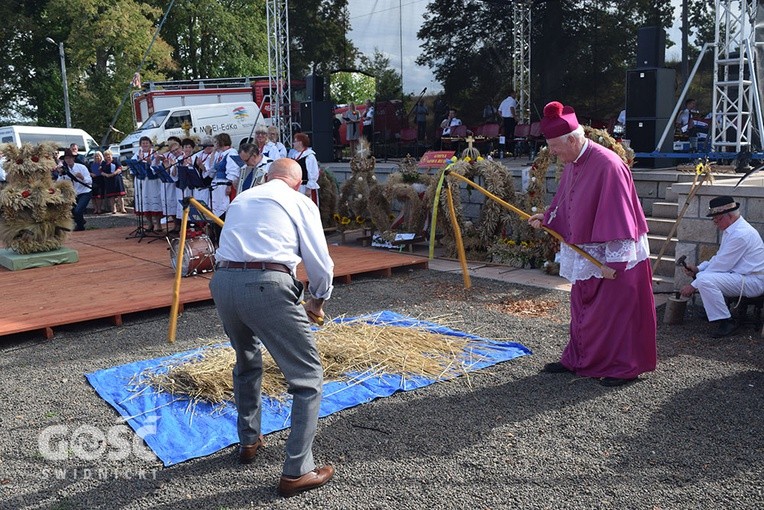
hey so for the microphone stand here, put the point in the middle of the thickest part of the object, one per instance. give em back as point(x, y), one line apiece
point(140, 230)
point(421, 94)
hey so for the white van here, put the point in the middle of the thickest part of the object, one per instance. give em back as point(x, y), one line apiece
point(62, 137)
point(236, 119)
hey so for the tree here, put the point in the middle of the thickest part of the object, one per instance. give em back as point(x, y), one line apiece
point(216, 39)
point(388, 80)
point(580, 49)
point(319, 43)
point(347, 86)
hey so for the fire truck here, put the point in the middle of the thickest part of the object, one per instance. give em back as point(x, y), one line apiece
point(159, 95)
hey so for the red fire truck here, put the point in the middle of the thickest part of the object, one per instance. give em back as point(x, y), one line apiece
point(157, 95)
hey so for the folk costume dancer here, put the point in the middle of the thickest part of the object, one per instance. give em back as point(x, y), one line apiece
point(203, 161)
point(273, 136)
point(148, 204)
point(256, 171)
point(169, 196)
point(613, 324)
point(306, 158)
point(225, 174)
point(258, 300)
point(264, 145)
point(736, 270)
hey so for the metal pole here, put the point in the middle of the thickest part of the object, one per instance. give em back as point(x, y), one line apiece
point(61, 57)
point(67, 112)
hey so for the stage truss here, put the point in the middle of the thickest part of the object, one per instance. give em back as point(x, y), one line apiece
point(521, 59)
point(736, 100)
point(279, 75)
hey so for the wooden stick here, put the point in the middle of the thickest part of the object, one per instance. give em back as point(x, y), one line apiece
point(693, 190)
point(458, 239)
point(179, 261)
point(607, 272)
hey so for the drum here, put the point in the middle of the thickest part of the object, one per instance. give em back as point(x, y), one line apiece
point(198, 255)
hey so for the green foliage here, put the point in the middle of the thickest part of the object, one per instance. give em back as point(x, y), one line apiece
point(214, 39)
point(388, 80)
point(350, 86)
point(318, 31)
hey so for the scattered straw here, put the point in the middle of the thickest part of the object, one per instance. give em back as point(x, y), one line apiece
point(349, 347)
point(543, 308)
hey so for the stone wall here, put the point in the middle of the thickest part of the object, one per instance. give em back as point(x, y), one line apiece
point(698, 237)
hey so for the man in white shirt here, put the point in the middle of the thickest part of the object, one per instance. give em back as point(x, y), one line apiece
point(368, 122)
point(450, 122)
point(80, 177)
point(737, 269)
point(508, 112)
point(268, 230)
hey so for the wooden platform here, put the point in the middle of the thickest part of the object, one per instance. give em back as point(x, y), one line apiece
point(117, 276)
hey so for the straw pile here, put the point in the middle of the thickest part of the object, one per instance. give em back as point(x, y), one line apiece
point(349, 347)
point(542, 308)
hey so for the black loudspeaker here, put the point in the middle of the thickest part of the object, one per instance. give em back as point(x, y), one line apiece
point(316, 116)
point(314, 87)
point(644, 135)
point(316, 122)
point(322, 143)
point(650, 93)
point(651, 47)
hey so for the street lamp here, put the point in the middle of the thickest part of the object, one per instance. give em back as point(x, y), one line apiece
point(63, 79)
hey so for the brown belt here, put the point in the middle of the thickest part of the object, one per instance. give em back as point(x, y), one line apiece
point(262, 266)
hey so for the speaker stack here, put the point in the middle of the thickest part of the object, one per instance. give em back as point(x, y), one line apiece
point(316, 118)
point(650, 96)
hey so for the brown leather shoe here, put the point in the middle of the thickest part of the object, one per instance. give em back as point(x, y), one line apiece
point(248, 452)
point(289, 487)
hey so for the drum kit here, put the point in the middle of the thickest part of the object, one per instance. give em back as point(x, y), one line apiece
point(198, 252)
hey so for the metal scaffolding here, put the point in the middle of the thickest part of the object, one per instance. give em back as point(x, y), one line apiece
point(521, 58)
point(279, 77)
point(736, 99)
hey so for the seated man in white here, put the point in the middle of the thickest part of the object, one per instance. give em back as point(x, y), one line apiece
point(737, 269)
point(450, 122)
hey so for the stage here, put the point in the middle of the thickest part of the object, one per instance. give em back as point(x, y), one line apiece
point(117, 275)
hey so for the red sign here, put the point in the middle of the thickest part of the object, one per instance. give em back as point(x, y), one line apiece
point(435, 159)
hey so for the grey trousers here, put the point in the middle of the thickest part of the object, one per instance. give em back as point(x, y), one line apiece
point(264, 306)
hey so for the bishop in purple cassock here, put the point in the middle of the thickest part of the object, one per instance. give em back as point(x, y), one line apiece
point(613, 322)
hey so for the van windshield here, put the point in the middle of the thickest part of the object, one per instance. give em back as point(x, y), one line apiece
point(155, 120)
point(61, 141)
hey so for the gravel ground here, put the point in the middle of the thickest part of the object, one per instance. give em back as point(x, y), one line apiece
point(689, 435)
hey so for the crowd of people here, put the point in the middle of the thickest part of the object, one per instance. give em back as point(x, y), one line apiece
point(212, 171)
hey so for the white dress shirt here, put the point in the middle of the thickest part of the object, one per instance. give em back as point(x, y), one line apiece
point(274, 223)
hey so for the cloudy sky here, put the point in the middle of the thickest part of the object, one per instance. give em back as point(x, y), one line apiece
point(391, 25)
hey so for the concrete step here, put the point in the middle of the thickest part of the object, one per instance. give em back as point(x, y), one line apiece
point(656, 243)
point(660, 226)
point(666, 266)
point(667, 210)
point(663, 284)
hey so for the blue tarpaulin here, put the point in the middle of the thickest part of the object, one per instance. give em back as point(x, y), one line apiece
point(177, 434)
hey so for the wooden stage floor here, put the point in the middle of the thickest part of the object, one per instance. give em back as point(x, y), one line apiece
point(116, 276)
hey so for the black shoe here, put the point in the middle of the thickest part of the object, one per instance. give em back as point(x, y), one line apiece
point(726, 327)
point(555, 368)
point(614, 381)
